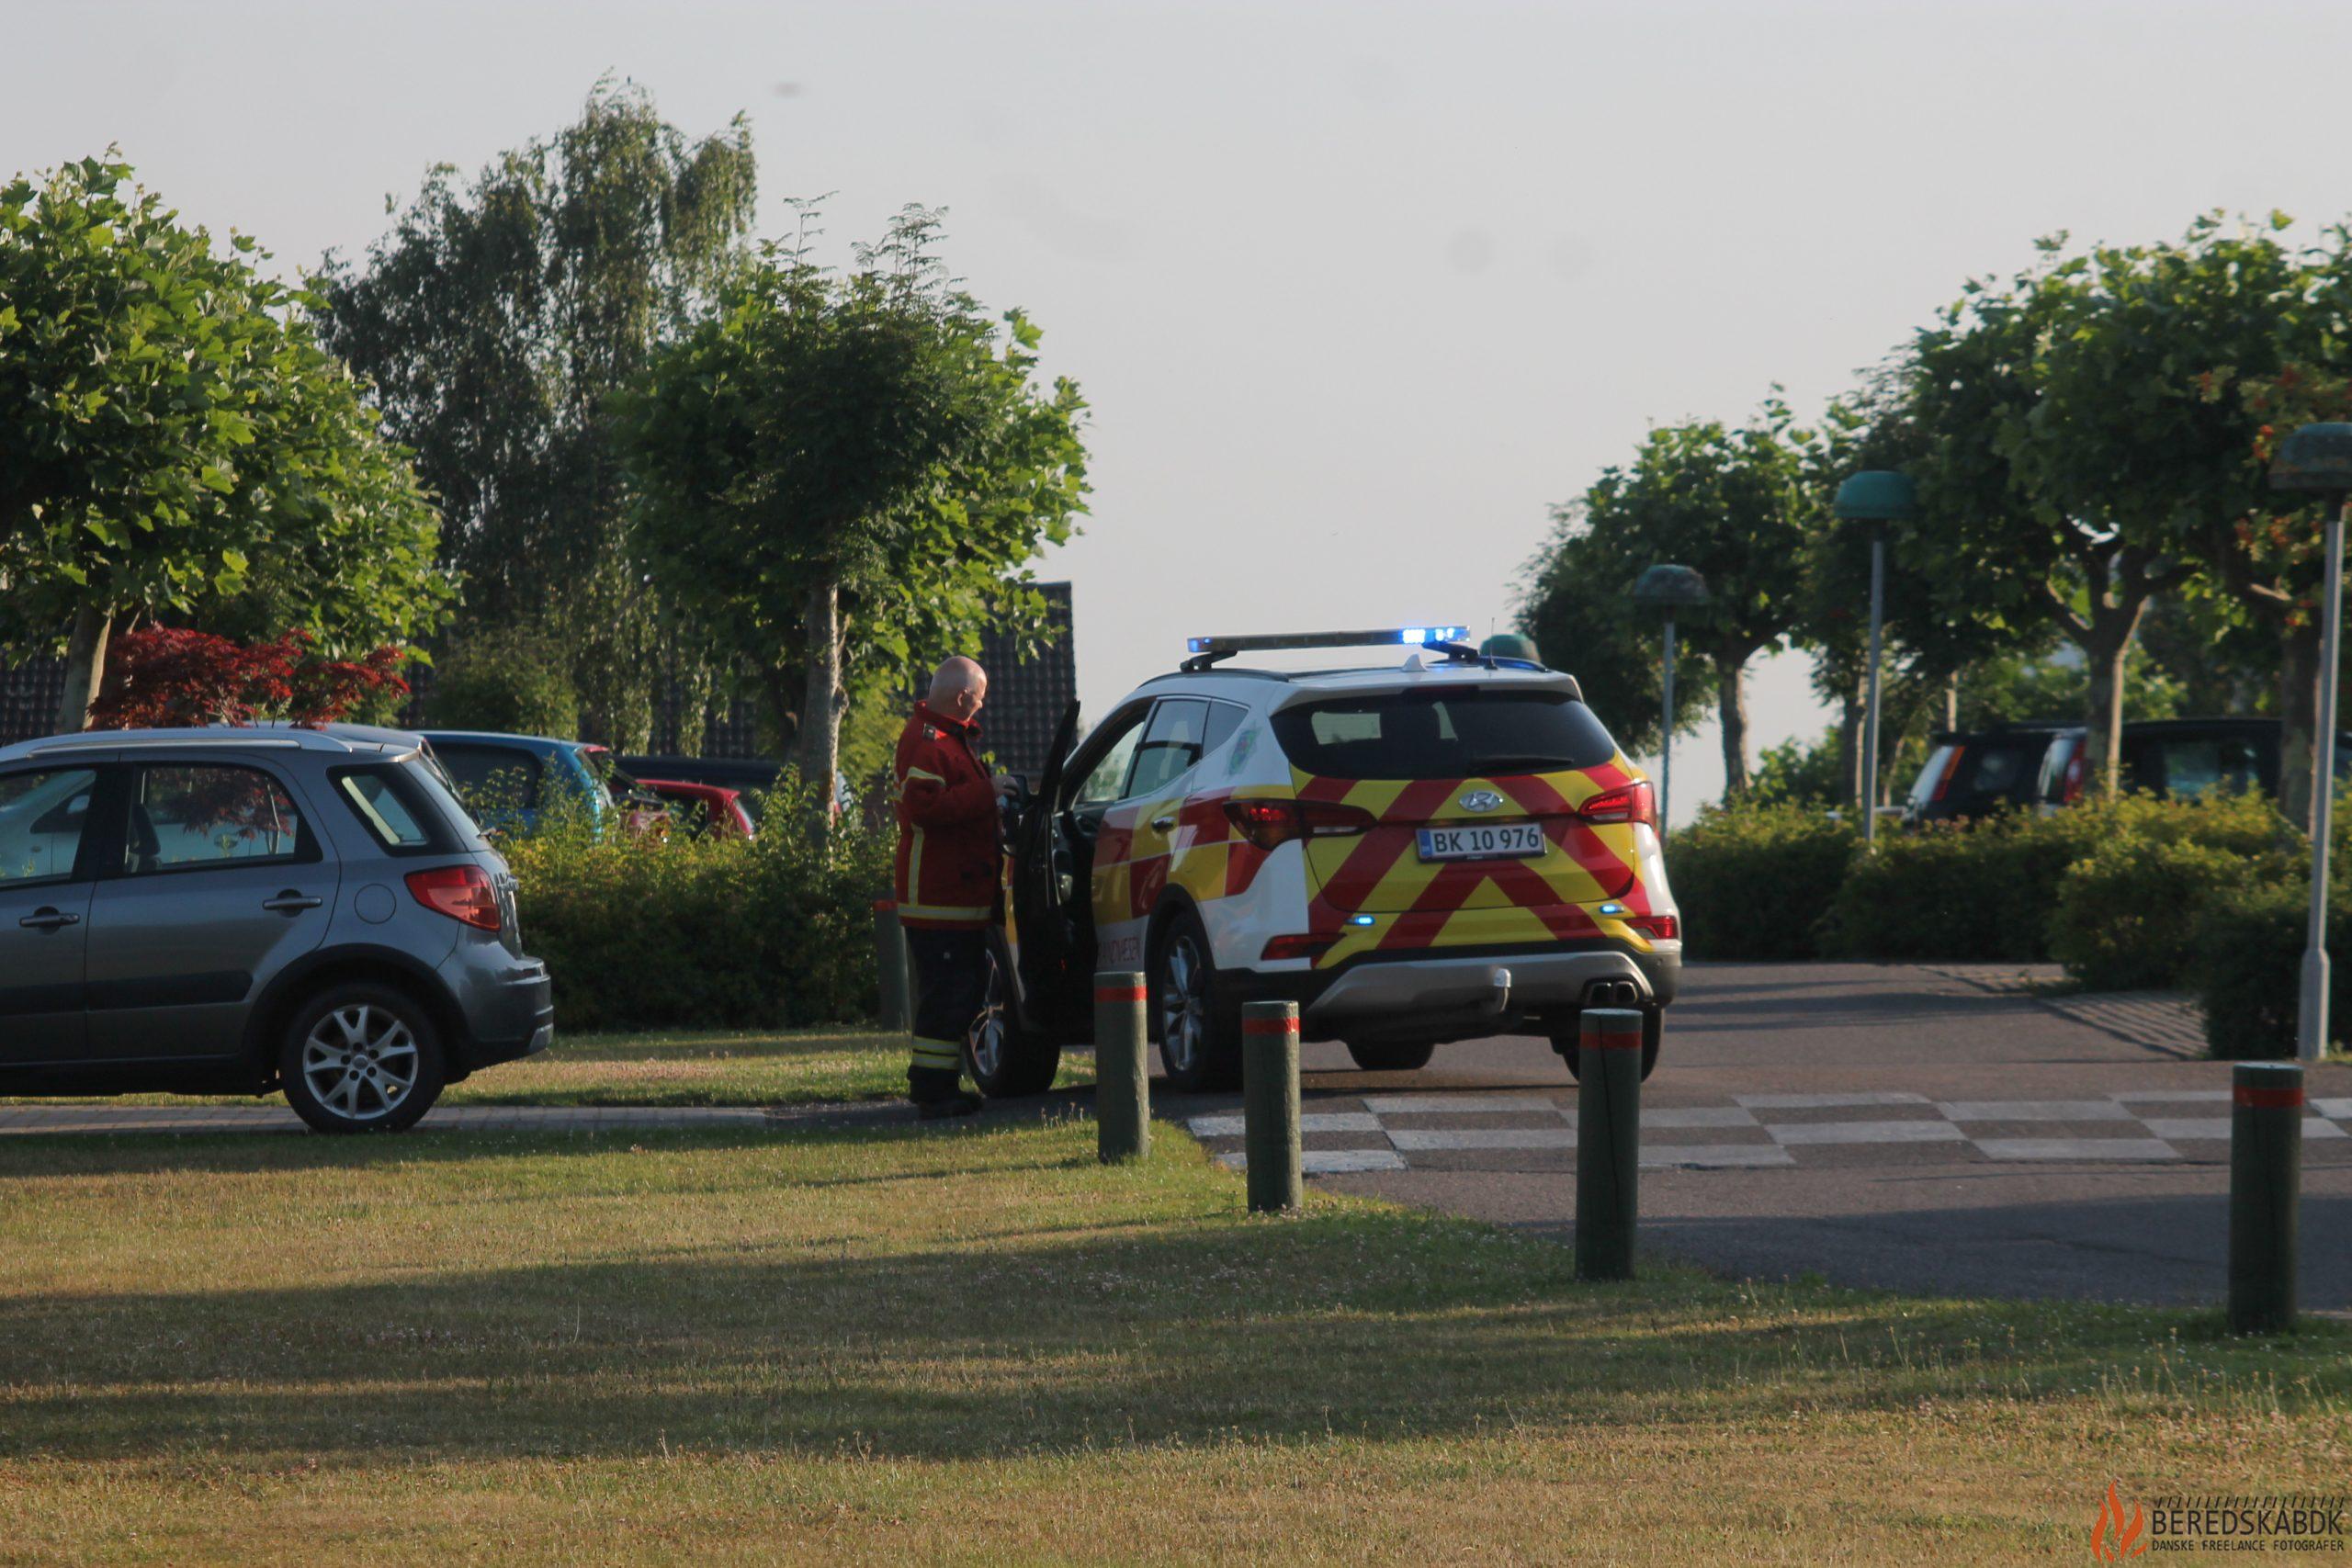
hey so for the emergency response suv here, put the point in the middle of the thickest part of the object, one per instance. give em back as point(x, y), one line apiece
point(1443, 851)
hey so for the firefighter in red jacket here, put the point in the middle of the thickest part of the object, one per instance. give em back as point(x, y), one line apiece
point(946, 879)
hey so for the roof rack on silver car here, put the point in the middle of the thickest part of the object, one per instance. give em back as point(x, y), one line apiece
point(283, 739)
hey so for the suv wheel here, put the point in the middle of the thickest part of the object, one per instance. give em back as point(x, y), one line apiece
point(361, 1058)
point(1564, 1040)
point(1391, 1056)
point(1003, 1058)
point(1199, 1030)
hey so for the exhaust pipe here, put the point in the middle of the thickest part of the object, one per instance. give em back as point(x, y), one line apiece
point(1613, 994)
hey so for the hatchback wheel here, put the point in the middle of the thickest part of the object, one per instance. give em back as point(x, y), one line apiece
point(361, 1058)
point(1199, 1040)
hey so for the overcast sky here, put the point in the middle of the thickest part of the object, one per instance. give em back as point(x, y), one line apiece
point(1357, 292)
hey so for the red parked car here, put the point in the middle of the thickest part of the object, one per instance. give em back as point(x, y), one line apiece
point(703, 811)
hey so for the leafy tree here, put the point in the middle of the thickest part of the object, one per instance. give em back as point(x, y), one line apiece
point(1732, 502)
point(514, 679)
point(1798, 773)
point(497, 320)
point(170, 675)
point(1578, 604)
point(172, 440)
point(840, 474)
point(2095, 449)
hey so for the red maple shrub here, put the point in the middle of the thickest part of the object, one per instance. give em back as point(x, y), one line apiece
point(166, 676)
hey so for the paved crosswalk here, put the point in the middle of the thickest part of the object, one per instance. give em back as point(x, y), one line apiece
point(1489, 1131)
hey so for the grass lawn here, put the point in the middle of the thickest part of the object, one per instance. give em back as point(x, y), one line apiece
point(793, 1066)
point(976, 1344)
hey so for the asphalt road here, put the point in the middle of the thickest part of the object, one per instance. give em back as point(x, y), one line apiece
point(1884, 1126)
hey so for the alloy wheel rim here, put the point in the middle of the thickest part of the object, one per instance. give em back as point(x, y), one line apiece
point(1183, 1012)
point(360, 1062)
point(986, 1039)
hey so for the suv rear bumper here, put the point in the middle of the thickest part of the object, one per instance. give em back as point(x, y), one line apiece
point(508, 1004)
point(1461, 994)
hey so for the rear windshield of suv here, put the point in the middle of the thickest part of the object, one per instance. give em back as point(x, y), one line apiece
point(1462, 733)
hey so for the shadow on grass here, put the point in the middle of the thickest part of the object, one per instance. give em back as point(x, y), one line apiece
point(1184, 1331)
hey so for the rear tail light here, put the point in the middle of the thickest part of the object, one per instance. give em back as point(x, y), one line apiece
point(462, 892)
point(2072, 790)
point(1298, 945)
point(1635, 802)
point(1657, 927)
point(1951, 772)
point(1266, 823)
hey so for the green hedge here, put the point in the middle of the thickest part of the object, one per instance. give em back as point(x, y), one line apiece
point(2250, 964)
point(1752, 884)
point(640, 933)
point(2128, 913)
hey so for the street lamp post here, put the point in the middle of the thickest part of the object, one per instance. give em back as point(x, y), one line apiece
point(1876, 496)
point(2317, 460)
point(1668, 588)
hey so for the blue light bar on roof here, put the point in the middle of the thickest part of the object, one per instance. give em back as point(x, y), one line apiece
point(1404, 637)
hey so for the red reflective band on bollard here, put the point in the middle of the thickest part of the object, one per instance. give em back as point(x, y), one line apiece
point(2267, 1099)
point(883, 906)
point(1271, 1026)
point(1624, 1040)
point(1118, 993)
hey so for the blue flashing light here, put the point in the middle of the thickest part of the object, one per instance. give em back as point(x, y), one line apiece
point(1196, 645)
point(1360, 919)
point(1612, 908)
point(1413, 635)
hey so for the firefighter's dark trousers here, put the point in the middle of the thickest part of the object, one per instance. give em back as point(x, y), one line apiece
point(951, 987)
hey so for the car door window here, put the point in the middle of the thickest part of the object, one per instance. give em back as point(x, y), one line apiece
point(1106, 780)
point(1171, 744)
point(184, 815)
point(1224, 719)
point(42, 815)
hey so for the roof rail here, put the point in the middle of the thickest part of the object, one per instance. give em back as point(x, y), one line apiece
point(1207, 650)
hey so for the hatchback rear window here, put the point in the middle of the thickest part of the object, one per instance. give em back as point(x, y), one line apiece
point(1473, 733)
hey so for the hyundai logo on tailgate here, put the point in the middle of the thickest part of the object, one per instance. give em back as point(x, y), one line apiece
point(1481, 800)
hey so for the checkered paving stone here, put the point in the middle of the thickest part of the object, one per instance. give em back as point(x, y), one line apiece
point(50, 1119)
point(1535, 1131)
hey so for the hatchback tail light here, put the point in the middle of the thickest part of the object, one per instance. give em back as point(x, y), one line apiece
point(1266, 823)
point(1298, 945)
point(1951, 772)
point(462, 892)
point(1657, 927)
point(1635, 802)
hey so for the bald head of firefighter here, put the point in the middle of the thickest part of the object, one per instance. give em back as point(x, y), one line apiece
point(946, 877)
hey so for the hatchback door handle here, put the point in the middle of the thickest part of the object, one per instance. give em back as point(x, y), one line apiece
point(290, 902)
point(1161, 824)
point(49, 920)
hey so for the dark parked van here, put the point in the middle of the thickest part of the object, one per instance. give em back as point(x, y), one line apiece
point(2039, 766)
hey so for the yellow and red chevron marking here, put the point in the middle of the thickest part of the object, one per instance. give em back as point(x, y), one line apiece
point(1381, 870)
point(1203, 853)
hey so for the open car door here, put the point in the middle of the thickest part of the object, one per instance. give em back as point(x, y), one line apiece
point(1052, 928)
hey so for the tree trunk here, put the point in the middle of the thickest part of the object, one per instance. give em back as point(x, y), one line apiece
point(818, 753)
point(1850, 744)
point(1951, 700)
point(2104, 747)
point(85, 667)
point(2298, 721)
point(1730, 702)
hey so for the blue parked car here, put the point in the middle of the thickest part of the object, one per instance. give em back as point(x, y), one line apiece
point(508, 780)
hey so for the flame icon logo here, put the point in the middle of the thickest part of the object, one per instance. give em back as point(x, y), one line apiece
point(2114, 1537)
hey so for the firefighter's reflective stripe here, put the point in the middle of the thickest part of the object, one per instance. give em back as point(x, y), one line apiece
point(943, 911)
point(925, 773)
point(914, 867)
point(945, 1056)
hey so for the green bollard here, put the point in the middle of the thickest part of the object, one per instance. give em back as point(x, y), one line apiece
point(1122, 1082)
point(2266, 1176)
point(1270, 1105)
point(1609, 1141)
point(890, 960)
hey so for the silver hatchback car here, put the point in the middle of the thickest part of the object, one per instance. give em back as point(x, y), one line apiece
point(237, 910)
